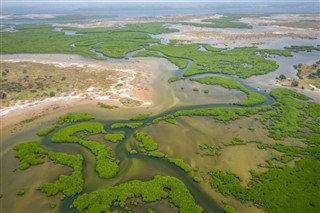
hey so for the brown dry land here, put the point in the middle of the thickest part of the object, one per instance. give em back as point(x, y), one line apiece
point(36, 84)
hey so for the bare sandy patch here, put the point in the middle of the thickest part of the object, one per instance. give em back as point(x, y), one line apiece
point(120, 84)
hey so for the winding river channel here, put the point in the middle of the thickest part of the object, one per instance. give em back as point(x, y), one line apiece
point(132, 167)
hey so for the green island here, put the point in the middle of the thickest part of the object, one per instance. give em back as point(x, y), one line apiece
point(107, 166)
point(131, 125)
point(31, 153)
point(155, 189)
point(114, 137)
point(146, 141)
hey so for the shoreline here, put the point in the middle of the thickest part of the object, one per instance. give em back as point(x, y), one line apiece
point(134, 93)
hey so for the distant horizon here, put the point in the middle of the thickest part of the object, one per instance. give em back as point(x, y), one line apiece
point(155, 8)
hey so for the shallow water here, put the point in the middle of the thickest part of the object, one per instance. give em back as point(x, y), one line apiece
point(179, 141)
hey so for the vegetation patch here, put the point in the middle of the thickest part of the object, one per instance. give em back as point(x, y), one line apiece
point(296, 48)
point(74, 117)
point(131, 125)
point(253, 98)
point(31, 153)
point(114, 137)
point(243, 62)
point(287, 189)
point(168, 118)
point(157, 154)
point(180, 163)
point(147, 142)
point(44, 132)
point(174, 79)
point(222, 114)
point(292, 114)
point(209, 150)
point(105, 106)
point(107, 166)
point(161, 187)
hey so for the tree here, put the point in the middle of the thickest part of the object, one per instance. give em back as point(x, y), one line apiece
point(294, 83)
point(3, 95)
point(282, 77)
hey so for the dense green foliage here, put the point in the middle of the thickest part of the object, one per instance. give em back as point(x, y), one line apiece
point(31, 153)
point(222, 114)
point(44, 132)
point(68, 185)
point(20, 192)
point(74, 117)
point(148, 54)
point(295, 48)
point(174, 79)
point(289, 189)
point(157, 154)
point(253, 98)
point(196, 179)
point(107, 166)
point(140, 117)
point(147, 142)
point(114, 137)
point(266, 52)
point(113, 42)
point(132, 125)
point(180, 163)
point(292, 114)
point(229, 209)
point(153, 190)
point(244, 62)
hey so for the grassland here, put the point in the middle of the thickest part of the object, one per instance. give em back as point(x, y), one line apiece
point(153, 190)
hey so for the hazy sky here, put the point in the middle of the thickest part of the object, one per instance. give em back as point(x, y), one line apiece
point(56, 6)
